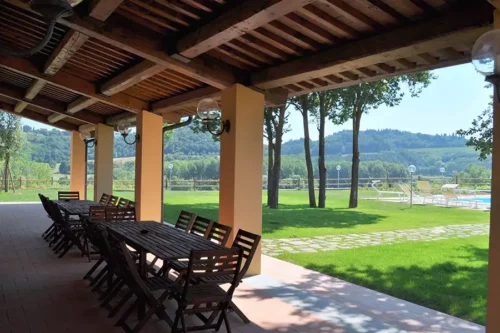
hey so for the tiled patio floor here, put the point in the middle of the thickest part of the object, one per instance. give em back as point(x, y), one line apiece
point(40, 293)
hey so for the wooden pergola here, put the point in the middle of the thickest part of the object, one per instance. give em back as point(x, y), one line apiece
point(151, 61)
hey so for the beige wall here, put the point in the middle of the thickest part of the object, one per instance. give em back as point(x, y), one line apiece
point(78, 161)
point(241, 161)
point(148, 167)
point(103, 168)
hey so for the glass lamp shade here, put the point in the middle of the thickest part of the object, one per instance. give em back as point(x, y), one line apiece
point(486, 53)
point(208, 109)
point(85, 136)
point(124, 128)
point(412, 168)
point(338, 167)
point(442, 170)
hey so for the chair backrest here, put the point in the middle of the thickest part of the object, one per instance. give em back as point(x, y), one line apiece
point(212, 264)
point(104, 199)
point(405, 189)
point(116, 214)
point(45, 204)
point(97, 214)
point(113, 200)
point(201, 226)
point(68, 195)
point(127, 269)
point(423, 185)
point(57, 215)
point(131, 204)
point(248, 243)
point(122, 203)
point(185, 220)
point(219, 233)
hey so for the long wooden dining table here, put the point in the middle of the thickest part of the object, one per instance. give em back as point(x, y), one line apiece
point(161, 240)
point(76, 207)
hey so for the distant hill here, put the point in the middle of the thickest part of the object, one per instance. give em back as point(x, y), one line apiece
point(429, 152)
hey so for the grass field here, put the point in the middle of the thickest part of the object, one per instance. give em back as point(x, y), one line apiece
point(449, 275)
point(296, 219)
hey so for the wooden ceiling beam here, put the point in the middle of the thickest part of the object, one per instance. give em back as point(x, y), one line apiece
point(38, 118)
point(48, 104)
point(73, 83)
point(102, 9)
point(130, 77)
point(409, 70)
point(438, 33)
point(71, 42)
point(34, 88)
point(189, 97)
point(233, 23)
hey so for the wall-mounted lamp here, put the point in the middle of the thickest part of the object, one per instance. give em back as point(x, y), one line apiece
point(486, 58)
point(209, 110)
point(90, 142)
point(124, 129)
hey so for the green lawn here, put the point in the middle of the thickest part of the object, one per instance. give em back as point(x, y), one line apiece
point(448, 275)
point(296, 219)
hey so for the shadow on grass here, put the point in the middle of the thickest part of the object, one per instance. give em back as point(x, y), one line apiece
point(449, 287)
point(458, 290)
point(297, 216)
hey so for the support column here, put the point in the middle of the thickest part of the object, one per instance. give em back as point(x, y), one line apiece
point(103, 161)
point(148, 167)
point(78, 165)
point(241, 159)
point(493, 300)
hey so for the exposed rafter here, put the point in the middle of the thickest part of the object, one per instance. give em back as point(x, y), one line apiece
point(130, 77)
point(48, 104)
point(71, 42)
point(74, 84)
point(181, 100)
point(247, 16)
point(39, 118)
point(72, 108)
point(433, 34)
point(102, 9)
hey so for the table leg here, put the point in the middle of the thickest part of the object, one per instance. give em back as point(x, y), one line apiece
point(143, 264)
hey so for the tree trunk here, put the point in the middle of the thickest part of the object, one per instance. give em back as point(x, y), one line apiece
point(270, 162)
point(276, 170)
point(6, 173)
point(321, 158)
point(307, 152)
point(356, 121)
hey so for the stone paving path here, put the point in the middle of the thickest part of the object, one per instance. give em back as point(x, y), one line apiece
point(275, 247)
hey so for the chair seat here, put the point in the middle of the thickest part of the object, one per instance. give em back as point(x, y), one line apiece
point(161, 283)
point(205, 293)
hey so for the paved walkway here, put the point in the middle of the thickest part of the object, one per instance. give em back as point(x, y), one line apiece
point(40, 293)
point(274, 247)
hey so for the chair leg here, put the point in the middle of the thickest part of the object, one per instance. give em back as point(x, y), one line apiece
point(99, 276)
point(125, 315)
point(238, 312)
point(92, 270)
point(98, 285)
point(144, 320)
point(112, 294)
point(68, 247)
point(226, 321)
point(120, 304)
point(183, 323)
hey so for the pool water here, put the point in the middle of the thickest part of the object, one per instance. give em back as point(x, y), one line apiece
point(484, 200)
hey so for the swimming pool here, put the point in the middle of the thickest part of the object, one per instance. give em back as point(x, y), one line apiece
point(483, 200)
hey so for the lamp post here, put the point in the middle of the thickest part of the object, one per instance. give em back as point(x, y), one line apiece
point(442, 170)
point(411, 170)
point(170, 167)
point(338, 177)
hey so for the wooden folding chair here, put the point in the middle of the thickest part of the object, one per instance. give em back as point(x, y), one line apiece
point(122, 203)
point(72, 233)
point(68, 195)
point(116, 214)
point(131, 204)
point(113, 200)
point(185, 220)
point(47, 233)
point(104, 199)
point(201, 226)
point(219, 233)
point(208, 298)
point(127, 270)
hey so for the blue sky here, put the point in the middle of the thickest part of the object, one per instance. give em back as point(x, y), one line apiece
point(450, 103)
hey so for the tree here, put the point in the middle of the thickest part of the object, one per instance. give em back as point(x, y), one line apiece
point(324, 102)
point(11, 141)
point(305, 104)
point(275, 119)
point(352, 102)
point(64, 168)
point(480, 135)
